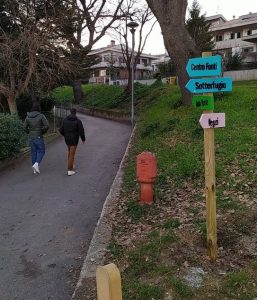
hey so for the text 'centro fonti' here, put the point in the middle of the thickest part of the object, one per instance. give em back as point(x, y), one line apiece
point(206, 66)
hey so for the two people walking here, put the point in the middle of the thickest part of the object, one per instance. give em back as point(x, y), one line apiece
point(36, 125)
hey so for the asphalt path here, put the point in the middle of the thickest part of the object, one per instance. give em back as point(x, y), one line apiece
point(47, 220)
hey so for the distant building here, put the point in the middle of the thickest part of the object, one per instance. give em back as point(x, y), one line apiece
point(160, 59)
point(112, 68)
point(235, 36)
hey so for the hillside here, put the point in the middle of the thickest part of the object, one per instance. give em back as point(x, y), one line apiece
point(161, 250)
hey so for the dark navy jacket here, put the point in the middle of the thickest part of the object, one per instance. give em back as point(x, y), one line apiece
point(72, 128)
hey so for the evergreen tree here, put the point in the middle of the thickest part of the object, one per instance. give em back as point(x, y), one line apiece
point(199, 29)
point(166, 69)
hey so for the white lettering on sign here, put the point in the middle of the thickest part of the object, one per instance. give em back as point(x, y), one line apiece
point(212, 120)
point(207, 66)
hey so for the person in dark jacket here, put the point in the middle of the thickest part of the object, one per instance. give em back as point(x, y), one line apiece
point(72, 128)
point(36, 125)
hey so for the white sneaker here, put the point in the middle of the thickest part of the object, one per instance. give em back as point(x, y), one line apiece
point(35, 168)
point(70, 173)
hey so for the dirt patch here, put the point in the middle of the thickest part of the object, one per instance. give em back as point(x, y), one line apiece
point(87, 291)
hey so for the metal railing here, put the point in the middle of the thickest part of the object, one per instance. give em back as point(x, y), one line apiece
point(55, 116)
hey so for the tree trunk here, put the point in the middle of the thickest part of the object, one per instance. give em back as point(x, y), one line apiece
point(77, 91)
point(12, 104)
point(180, 46)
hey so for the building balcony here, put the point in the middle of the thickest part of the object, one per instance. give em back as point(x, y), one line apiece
point(250, 38)
point(229, 44)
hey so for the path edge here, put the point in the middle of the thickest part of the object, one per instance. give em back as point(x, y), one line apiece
point(103, 231)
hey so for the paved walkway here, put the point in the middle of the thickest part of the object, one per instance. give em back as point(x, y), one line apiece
point(47, 220)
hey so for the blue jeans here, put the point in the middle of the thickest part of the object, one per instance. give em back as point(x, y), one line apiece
point(37, 148)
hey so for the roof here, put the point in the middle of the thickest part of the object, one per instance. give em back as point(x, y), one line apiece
point(104, 65)
point(216, 17)
point(118, 49)
point(244, 20)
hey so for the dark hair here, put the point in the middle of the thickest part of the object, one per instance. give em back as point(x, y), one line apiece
point(35, 106)
point(73, 111)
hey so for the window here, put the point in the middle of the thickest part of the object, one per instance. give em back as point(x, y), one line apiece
point(249, 32)
point(144, 61)
point(246, 50)
point(238, 35)
point(219, 38)
point(103, 73)
point(106, 58)
point(232, 36)
point(121, 59)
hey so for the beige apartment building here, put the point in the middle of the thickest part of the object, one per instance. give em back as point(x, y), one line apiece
point(238, 35)
point(112, 68)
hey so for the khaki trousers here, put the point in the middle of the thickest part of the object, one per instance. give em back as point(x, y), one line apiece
point(71, 156)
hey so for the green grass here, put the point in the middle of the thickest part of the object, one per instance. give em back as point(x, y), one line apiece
point(115, 249)
point(142, 291)
point(63, 94)
point(170, 224)
point(182, 290)
point(95, 96)
point(240, 285)
point(173, 134)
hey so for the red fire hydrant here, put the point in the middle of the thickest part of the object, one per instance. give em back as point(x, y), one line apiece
point(146, 175)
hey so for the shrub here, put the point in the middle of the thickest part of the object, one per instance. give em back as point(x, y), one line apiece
point(234, 62)
point(11, 136)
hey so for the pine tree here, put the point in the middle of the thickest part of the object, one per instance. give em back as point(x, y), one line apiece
point(199, 29)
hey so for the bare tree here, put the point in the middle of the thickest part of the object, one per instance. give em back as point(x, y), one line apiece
point(29, 50)
point(180, 46)
point(144, 17)
point(84, 24)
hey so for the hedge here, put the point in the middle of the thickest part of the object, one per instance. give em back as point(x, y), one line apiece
point(11, 135)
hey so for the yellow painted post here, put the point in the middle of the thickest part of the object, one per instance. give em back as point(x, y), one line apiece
point(108, 281)
point(210, 187)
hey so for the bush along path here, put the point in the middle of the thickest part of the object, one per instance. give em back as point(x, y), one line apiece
point(161, 250)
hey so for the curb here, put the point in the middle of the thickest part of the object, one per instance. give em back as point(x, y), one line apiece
point(103, 230)
point(105, 114)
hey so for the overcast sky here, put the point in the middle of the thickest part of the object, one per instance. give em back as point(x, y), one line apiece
point(227, 8)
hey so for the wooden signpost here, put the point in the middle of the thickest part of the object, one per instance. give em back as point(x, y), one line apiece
point(208, 65)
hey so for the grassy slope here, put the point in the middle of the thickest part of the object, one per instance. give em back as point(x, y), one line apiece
point(155, 246)
point(96, 96)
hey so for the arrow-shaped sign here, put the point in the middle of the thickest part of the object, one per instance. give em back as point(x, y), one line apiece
point(204, 66)
point(205, 102)
point(212, 120)
point(209, 85)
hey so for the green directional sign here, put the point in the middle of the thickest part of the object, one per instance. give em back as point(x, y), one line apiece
point(205, 102)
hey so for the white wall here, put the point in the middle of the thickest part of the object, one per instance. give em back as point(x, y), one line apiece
point(242, 75)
